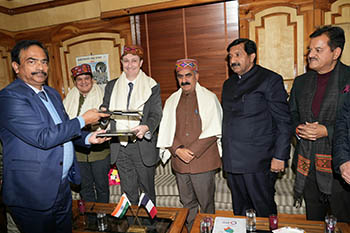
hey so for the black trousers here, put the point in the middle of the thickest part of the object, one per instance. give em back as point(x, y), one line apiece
point(339, 202)
point(253, 191)
point(57, 219)
point(94, 180)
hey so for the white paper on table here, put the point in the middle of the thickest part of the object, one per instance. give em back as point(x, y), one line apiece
point(229, 225)
point(288, 230)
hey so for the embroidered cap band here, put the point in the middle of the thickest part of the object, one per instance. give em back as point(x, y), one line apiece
point(190, 64)
point(134, 50)
point(81, 69)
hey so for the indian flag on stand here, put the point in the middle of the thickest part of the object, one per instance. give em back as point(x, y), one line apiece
point(122, 207)
point(148, 204)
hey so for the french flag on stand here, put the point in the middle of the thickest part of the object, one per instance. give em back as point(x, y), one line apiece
point(148, 204)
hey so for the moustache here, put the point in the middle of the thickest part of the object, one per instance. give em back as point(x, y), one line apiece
point(185, 83)
point(39, 72)
point(235, 64)
point(312, 58)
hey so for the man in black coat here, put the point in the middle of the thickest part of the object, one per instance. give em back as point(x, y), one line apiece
point(315, 101)
point(341, 156)
point(256, 130)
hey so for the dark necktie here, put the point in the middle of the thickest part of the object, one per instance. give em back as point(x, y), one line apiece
point(131, 86)
point(42, 95)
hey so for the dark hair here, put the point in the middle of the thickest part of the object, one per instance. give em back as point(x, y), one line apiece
point(249, 46)
point(24, 45)
point(335, 34)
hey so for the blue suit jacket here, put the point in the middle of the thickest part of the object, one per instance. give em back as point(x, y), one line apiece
point(33, 146)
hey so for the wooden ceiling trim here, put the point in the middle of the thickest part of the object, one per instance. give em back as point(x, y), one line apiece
point(36, 7)
point(155, 7)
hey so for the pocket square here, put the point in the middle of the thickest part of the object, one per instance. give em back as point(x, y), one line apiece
point(346, 88)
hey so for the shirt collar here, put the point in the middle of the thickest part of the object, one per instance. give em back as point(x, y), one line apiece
point(36, 90)
point(250, 72)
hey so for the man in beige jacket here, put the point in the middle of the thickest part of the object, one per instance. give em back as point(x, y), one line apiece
point(94, 162)
point(190, 133)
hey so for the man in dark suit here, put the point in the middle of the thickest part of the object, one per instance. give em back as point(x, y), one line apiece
point(256, 130)
point(37, 136)
point(135, 156)
point(316, 99)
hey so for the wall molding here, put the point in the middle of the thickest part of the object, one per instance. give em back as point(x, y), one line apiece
point(155, 7)
point(36, 7)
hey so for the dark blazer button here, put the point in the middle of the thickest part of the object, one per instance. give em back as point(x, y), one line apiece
point(61, 163)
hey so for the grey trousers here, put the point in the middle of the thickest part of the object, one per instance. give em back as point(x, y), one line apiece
point(196, 190)
point(134, 175)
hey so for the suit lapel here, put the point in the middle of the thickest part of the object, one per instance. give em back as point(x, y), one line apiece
point(329, 102)
point(35, 99)
point(307, 97)
point(56, 103)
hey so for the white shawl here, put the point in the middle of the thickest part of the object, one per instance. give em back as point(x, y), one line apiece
point(141, 92)
point(92, 100)
point(210, 112)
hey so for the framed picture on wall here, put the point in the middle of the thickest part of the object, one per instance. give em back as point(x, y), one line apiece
point(99, 66)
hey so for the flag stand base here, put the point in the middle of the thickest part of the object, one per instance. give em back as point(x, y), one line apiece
point(135, 228)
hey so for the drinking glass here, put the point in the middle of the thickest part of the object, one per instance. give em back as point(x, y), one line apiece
point(251, 219)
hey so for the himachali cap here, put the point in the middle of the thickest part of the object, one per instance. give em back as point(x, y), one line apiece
point(190, 64)
point(134, 50)
point(81, 69)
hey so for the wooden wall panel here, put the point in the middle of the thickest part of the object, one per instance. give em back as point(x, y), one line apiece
point(339, 15)
point(90, 44)
point(278, 33)
point(280, 29)
point(232, 21)
point(165, 46)
point(206, 39)
point(346, 53)
point(6, 74)
point(200, 32)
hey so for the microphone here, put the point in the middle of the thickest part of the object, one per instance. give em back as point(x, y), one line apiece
point(148, 135)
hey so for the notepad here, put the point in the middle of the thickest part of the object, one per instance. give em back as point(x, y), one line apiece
point(229, 225)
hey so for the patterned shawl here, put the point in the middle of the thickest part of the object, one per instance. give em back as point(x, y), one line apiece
point(317, 152)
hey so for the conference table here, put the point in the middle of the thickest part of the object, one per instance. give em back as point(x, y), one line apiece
point(173, 219)
point(284, 220)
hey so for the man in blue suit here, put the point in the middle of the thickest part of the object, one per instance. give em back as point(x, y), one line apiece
point(38, 153)
point(256, 130)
